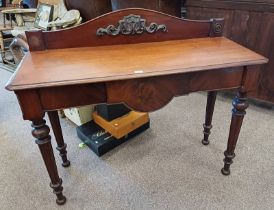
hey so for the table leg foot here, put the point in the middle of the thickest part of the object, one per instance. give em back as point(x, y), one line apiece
point(57, 130)
point(66, 164)
point(207, 129)
point(58, 191)
point(228, 160)
point(63, 154)
point(211, 99)
point(225, 172)
point(43, 140)
point(61, 201)
point(238, 112)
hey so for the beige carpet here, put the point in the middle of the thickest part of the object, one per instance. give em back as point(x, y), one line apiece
point(164, 168)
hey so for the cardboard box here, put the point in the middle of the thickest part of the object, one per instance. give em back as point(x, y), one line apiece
point(79, 116)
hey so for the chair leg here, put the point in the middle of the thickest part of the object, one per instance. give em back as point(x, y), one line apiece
point(211, 98)
point(61, 146)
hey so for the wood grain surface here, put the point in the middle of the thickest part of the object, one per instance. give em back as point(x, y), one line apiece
point(118, 62)
point(84, 35)
point(249, 23)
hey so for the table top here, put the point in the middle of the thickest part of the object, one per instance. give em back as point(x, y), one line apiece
point(117, 62)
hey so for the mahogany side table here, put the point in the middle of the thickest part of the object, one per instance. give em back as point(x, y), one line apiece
point(139, 57)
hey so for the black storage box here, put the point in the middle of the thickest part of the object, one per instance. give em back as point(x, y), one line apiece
point(100, 141)
point(111, 112)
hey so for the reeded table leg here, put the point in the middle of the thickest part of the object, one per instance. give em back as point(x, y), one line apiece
point(57, 130)
point(238, 112)
point(211, 99)
point(41, 133)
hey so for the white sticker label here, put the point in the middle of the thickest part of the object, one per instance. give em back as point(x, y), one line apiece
point(139, 72)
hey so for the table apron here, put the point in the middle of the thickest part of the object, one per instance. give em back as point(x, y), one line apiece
point(143, 94)
point(153, 93)
point(53, 98)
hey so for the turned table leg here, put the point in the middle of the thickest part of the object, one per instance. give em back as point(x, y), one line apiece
point(211, 98)
point(238, 112)
point(41, 133)
point(57, 130)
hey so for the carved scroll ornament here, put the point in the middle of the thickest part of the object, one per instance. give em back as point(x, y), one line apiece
point(131, 25)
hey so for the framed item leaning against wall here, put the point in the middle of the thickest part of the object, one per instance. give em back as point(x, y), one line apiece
point(43, 16)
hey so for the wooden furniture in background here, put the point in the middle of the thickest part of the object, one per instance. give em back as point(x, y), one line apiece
point(21, 15)
point(92, 8)
point(5, 15)
point(250, 23)
point(159, 58)
point(172, 7)
point(3, 39)
point(62, 18)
